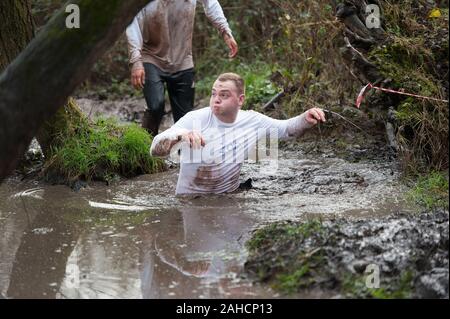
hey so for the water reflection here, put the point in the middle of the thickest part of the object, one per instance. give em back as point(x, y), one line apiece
point(200, 248)
point(194, 251)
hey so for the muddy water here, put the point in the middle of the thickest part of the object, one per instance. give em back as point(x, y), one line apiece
point(137, 240)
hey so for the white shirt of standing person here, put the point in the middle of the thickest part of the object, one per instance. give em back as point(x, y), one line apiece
point(215, 140)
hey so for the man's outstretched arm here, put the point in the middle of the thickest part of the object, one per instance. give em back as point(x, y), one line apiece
point(298, 125)
point(293, 127)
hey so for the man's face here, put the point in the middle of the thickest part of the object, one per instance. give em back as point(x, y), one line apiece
point(225, 100)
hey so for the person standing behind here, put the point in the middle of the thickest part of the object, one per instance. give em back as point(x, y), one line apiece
point(160, 52)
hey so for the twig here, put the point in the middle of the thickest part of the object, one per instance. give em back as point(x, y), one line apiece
point(342, 117)
point(273, 100)
point(345, 119)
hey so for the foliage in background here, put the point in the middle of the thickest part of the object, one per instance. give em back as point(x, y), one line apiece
point(293, 39)
point(259, 88)
point(295, 46)
point(300, 43)
point(110, 77)
point(414, 58)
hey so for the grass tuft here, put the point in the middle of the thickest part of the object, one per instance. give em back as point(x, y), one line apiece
point(431, 191)
point(102, 150)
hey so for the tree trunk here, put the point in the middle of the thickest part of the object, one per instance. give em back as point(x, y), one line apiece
point(15, 33)
point(35, 85)
point(16, 29)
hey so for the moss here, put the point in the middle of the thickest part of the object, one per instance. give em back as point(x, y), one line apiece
point(291, 282)
point(431, 191)
point(101, 150)
point(409, 111)
point(422, 124)
point(306, 271)
point(294, 257)
point(415, 58)
point(354, 286)
point(282, 231)
point(408, 64)
point(302, 268)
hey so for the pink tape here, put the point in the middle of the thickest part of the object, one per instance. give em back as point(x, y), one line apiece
point(369, 86)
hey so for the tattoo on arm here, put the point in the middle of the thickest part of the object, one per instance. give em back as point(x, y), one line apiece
point(163, 147)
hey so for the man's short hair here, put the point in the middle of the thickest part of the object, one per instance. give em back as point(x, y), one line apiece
point(236, 78)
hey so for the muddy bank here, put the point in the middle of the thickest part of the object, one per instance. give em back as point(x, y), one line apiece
point(337, 255)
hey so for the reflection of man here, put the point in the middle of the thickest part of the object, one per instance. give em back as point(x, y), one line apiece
point(160, 47)
point(192, 249)
point(210, 126)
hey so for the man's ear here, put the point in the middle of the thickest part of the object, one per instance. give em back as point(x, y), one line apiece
point(241, 100)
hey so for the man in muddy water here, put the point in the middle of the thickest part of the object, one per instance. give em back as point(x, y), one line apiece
point(220, 137)
point(160, 51)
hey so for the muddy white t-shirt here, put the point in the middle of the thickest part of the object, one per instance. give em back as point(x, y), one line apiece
point(215, 168)
point(161, 33)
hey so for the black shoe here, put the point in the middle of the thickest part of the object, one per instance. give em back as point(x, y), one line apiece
point(246, 185)
point(150, 123)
